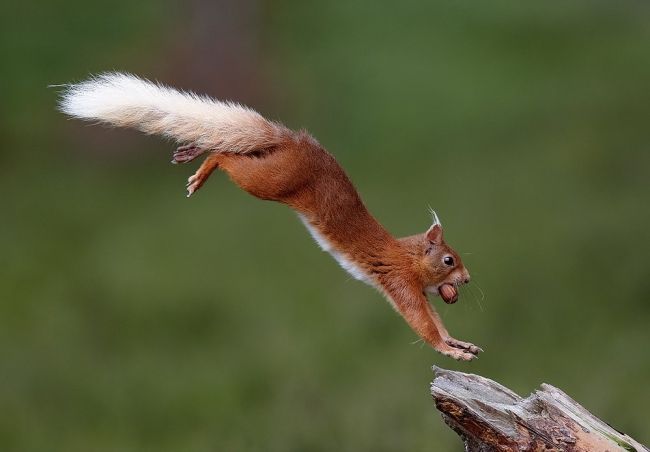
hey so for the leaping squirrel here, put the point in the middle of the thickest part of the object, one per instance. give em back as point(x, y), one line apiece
point(271, 162)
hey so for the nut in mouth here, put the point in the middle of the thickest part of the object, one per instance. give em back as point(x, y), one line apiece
point(448, 293)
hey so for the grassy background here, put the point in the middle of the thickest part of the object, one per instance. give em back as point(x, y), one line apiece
point(133, 319)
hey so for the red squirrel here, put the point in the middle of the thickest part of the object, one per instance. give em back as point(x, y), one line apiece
point(271, 162)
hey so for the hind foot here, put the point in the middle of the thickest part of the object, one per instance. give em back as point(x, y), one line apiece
point(184, 154)
point(195, 182)
point(197, 179)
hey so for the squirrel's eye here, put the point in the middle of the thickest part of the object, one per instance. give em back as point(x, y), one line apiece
point(448, 260)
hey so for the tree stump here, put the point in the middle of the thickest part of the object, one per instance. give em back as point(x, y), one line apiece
point(490, 417)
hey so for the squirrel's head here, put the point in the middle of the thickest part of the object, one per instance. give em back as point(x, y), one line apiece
point(441, 268)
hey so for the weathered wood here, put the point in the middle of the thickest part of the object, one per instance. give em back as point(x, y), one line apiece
point(490, 417)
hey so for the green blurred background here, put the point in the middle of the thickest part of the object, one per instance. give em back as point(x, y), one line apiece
point(134, 319)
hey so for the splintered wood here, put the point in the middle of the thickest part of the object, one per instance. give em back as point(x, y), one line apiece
point(490, 417)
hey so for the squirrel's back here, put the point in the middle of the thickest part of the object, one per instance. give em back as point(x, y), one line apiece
point(301, 174)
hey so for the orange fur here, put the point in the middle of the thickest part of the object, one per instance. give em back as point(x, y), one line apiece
point(301, 174)
point(271, 162)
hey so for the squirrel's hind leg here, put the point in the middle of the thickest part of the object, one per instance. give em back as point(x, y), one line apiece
point(197, 179)
point(184, 154)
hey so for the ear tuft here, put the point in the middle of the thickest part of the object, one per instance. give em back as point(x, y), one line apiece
point(434, 234)
point(436, 220)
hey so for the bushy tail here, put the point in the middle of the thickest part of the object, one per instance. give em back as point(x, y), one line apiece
point(125, 100)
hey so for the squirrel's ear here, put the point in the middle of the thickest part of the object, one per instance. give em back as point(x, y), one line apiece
point(434, 234)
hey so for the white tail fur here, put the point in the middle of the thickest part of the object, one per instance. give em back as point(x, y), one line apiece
point(125, 100)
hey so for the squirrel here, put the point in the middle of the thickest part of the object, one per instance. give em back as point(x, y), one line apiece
point(272, 162)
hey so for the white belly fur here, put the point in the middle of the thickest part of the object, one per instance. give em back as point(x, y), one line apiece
point(347, 264)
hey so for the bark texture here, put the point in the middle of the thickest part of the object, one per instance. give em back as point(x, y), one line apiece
point(490, 417)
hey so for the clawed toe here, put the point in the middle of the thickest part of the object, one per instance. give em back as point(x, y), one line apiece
point(194, 183)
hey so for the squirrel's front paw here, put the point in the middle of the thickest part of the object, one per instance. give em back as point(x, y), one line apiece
point(465, 346)
point(456, 353)
point(459, 350)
